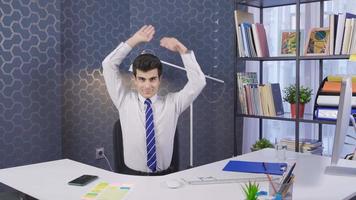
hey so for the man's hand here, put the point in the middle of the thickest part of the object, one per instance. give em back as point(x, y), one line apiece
point(173, 44)
point(145, 34)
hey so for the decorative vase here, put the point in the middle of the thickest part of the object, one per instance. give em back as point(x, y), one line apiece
point(293, 109)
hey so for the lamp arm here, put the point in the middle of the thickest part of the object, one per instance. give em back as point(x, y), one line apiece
point(191, 161)
point(182, 68)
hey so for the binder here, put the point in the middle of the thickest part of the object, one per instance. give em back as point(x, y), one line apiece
point(330, 113)
point(255, 167)
point(277, 98)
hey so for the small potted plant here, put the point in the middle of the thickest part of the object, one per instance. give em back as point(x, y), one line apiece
point(290, 96)
point(251, 190)
point(261, 144)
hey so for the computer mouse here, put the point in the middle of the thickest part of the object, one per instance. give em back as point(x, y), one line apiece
point(173, 184)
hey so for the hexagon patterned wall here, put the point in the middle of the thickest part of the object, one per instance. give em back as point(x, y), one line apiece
point(30, 82)
point(90, 30)
point(51, 78)
point(207, 28)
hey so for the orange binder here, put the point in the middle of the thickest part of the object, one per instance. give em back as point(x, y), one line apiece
point(334, 87)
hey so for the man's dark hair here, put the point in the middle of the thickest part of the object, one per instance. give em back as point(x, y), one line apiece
point(147, 62)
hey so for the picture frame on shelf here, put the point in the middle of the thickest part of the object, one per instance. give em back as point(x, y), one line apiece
point(287, 43)
point(317, 42)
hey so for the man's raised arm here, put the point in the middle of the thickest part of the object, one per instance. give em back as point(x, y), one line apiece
point(110, 64)
point(196, 78)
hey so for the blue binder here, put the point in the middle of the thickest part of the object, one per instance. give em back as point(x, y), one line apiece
point(255, 167)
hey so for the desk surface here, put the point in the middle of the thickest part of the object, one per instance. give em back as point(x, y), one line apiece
point(48, 181)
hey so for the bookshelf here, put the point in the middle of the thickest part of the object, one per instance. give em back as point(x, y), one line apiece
point(286, 58)
point(272, 3)
point(308, 118)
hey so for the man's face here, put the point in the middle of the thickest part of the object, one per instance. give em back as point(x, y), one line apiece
point(147, 83)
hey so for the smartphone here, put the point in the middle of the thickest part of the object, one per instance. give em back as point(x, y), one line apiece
point(83, 180)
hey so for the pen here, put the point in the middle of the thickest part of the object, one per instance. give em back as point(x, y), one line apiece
point(289, 173)
point(286, 186)
point(269, 177)
point(283, 177)
point(287, 178)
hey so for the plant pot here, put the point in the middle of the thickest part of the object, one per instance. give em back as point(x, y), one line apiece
point(293, 109)
point(254, 149)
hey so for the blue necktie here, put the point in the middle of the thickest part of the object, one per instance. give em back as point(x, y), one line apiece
point(150, 137)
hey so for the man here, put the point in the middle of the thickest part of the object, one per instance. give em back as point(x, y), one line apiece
point(149, 121)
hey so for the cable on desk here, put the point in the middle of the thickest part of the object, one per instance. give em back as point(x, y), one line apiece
point(107, 161)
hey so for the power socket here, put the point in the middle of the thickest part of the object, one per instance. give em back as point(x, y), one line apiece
point(99, 153)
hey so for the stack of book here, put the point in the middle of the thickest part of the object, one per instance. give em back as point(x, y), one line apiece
point(258, 99)
point(342, 34)
point(328, 98)
point(251, 37)
point(310, 146)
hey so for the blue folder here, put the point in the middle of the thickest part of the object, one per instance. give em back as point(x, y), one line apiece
point(255, 167)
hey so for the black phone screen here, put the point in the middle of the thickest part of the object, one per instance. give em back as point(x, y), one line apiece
point(83, 180)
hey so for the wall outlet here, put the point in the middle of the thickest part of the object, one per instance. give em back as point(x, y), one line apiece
point(99, 153)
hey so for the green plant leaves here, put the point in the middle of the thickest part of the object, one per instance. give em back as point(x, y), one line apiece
point(261, 144)
point(290, 94)
point(251, 190)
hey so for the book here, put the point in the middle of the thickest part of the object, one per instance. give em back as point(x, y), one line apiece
point(263, 97)
point(352, 34)
point(277, 98)
point(240, 17)
point(305, 144)
point(254, 100)
point(302, 141)
point(245, 27)
point(248, 99)
point(352, 45)
point(288, 42)
point(317, 42)
point(251, 42)
point(260, 39)
point(244, 78)
point(330, 100)
point(271, 109)
point(256, 90)
point(241, 49)
point(332, 25)
point(340, 31)
point(347, 35)
point(255, 167)
point(316, 151)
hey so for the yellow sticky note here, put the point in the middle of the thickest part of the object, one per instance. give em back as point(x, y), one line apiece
point(352, 58)
point(112, 192)
point(101, 186)
point(106, 191)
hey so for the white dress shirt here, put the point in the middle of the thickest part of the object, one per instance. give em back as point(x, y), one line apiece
point(166, 110)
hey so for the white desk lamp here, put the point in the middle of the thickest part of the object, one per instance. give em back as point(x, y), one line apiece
point(191, 109)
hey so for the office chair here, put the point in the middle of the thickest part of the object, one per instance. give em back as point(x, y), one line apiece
point(119, 164)
point(15, 195)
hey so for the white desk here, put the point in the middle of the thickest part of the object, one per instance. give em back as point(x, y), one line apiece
point(48, 181)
